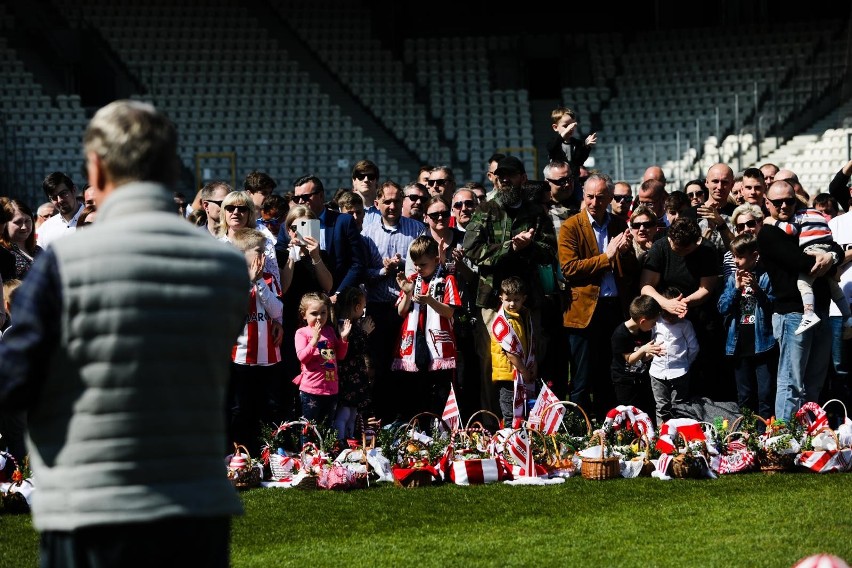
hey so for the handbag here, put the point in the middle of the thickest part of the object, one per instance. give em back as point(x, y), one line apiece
point(548, 278)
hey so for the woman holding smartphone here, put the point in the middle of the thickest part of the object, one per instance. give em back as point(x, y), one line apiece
point(304, 269)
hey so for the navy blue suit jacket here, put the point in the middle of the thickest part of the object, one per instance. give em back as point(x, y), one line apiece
point(343, 245)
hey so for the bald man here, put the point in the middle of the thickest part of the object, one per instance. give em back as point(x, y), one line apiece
point(791, 176)
point(654, 172)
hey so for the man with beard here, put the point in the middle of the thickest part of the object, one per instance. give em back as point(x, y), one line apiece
point(507, 236)
point(414, 204)
point(62, 192)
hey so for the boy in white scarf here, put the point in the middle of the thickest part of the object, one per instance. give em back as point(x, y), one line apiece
point(513, 364)
point(427, 301)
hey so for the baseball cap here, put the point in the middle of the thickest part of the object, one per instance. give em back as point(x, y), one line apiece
point(510, 165)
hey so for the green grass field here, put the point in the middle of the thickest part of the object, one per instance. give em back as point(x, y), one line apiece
point(754, 520)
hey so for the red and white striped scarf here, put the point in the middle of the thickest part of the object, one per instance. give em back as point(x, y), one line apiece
point(439, 331)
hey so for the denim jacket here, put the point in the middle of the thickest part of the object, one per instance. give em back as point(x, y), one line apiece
point(729, 307)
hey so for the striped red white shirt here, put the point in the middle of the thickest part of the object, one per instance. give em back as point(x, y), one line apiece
point(254, 345)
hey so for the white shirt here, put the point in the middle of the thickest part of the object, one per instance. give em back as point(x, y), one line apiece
point(57, 227)
point(681, 348)
point(841, 230)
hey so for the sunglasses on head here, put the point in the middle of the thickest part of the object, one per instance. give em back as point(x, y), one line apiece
point(365, 177)
point(469, 203)
point(437, 215)
point(751, 224)
point(642, 225)
point(305, 196)
point(438, 182)
point(790, 201)
point(620, 198)
point(237, 208)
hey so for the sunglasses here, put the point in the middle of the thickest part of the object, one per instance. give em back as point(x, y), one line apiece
point(469, 203)
point(438, 182)
point(437, 215)
point(561, 181)
point(219, 203)
point(789, 201)
point(414, 197)
point(365, 177)
point(305, 196)
point(695, 194)
point(620, 198)
point(237, 208)
point(643, 225)
point(751, 224)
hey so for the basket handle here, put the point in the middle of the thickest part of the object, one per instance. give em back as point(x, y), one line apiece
point(413, 422)
point(470, 421)
point(575, 405)
point(837, 400)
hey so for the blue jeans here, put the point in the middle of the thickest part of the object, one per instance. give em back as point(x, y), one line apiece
point(756, 382)
point(802, 362)
point(838, 354)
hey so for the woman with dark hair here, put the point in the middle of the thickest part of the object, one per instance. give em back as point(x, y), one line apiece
point(8, 259)
point(696, 191)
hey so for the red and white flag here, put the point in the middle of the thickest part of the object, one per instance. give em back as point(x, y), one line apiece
point(519, 404)
point(519, 447)
point(451, 411)
point(546, 420)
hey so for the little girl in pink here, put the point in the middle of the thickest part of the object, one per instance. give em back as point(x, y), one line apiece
point(318, 349)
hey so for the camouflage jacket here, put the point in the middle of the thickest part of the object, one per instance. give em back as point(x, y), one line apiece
point(487, 243)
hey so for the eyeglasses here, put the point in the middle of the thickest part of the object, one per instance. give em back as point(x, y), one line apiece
point(695, 194)
point(438, 215)
point(61, 195)
point(219, 203)
point(469, 203)
point(789, 201)
point(365, 177)
point(751, 224)
point(414, 197)
point(438, 182)
point(305, 196)
point(620, 198)
point(642, 225)
point(237, 208)
point(561, 181)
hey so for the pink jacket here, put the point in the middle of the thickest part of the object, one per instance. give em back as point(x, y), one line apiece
point(319, 363)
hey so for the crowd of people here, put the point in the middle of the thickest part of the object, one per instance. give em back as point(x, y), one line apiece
point(171, 323)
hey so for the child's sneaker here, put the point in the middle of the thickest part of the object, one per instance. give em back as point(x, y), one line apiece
point(809, 320)
point(847, 329)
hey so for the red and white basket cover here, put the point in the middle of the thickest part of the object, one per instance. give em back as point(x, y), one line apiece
point(478, 471)
point(826, 461)
point(738, 459)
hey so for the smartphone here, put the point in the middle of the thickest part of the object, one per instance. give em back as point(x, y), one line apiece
point(308, 228)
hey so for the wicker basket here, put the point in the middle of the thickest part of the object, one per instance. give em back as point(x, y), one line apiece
point(688, 465)
point(290, 464)
point(771, 461)
point(602, 467)
point(241, 471)
point(648, 466)
point(774, 462)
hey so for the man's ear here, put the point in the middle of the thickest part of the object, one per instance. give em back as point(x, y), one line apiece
point(95, 170)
